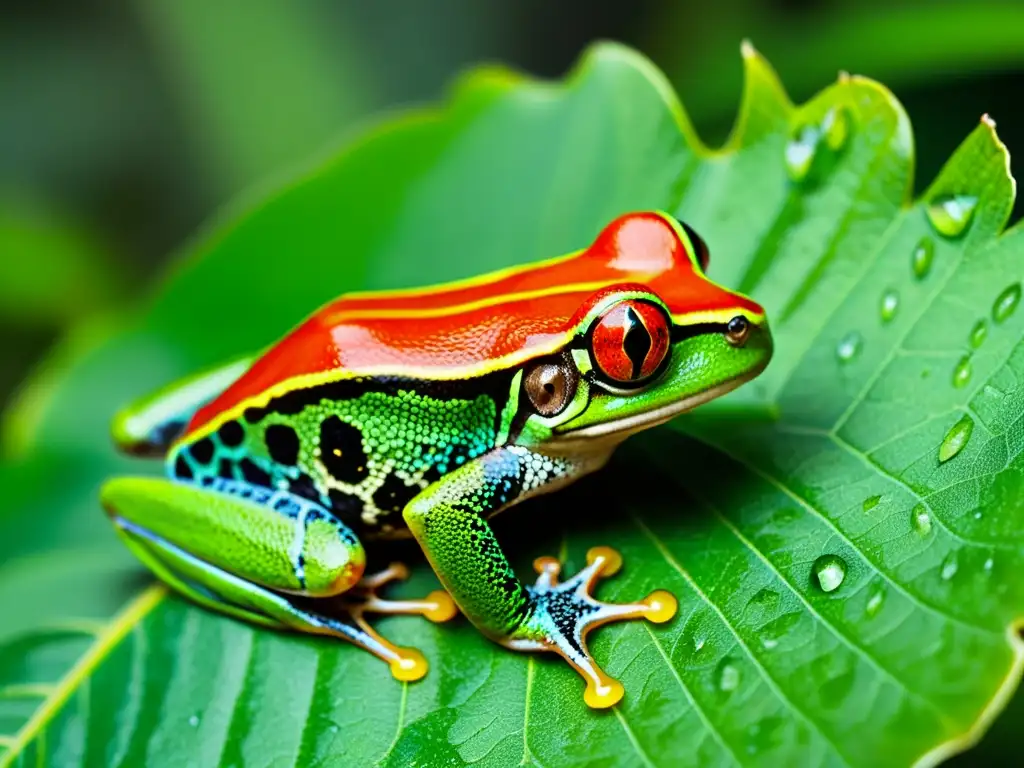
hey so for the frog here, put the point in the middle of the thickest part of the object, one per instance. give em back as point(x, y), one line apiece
point(423, 413)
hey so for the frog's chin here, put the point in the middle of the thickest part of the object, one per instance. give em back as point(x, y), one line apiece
point(613, 432)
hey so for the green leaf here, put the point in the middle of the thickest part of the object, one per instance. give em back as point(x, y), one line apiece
point(262, 84)
point(910, 44)
point(51, 271)
point(846, 596)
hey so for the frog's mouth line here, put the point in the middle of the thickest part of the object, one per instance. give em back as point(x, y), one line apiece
point(620, 429)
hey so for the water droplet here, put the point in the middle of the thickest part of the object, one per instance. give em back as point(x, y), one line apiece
point(955, 440)
point(871, 502)
point(977, 514)
point(978, 333)
point(920, 519)
point(949, 566)
point(890, 303)
point(1005, 303)
point(772, 632)
point(800, 152)
point(962, 372)
point(764, 602)
point(836, 128)
point(876, 597)
point(988, 564)
point(921, 259)
point(829, 570)
point(727, 675)
point(848, 347)
point(194, 721)
point(950, 214)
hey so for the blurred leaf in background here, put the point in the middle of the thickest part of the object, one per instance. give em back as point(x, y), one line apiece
point(136, 121)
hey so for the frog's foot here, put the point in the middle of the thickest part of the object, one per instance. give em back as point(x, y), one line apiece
point(363, 598)
point(564, 612)
point(225, 592)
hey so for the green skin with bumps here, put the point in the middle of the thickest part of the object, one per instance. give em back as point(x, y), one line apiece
point(270, 513)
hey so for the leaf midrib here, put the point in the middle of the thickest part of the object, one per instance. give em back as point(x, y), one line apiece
point(78, 675)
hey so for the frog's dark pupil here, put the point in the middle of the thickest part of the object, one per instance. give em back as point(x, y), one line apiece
point(737, 325)
point(282, 443)
point(636, 342)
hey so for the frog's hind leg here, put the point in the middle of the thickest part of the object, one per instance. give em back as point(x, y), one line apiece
point(263, 556)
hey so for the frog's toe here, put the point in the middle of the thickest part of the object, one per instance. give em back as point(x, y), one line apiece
point(564, 612)
point(438, 606)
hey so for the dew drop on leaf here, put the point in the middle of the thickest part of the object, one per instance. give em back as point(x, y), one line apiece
point(1005, 303)
point(727, 675)
point(773, 632)
point(836, 128)
point(194, 721)
point(949, 566)
point(848, 346)
point(800, 152)
point(829, 572)
point(989, 562)
point(920, 519)
point(978, 333)
point(955, 440)
point(876, 597)
point(921, 259)
point(962, 372)
point(890, 303)
point(764, 601)
point(950, 214)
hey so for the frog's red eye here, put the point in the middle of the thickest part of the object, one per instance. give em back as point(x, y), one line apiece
point(630, 341)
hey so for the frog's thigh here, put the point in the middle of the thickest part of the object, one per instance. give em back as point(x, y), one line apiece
point(236, 555)
point(269, 538)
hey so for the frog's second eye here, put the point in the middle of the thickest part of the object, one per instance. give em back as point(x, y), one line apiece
point(550, 385)
point(629, 341)
point(701, 248)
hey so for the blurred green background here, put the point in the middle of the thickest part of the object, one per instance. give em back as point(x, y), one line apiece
point(123, 126)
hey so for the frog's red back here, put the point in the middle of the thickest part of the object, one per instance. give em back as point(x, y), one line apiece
point(495, 321)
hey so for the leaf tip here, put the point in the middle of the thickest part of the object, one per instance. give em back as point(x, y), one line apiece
point(763, 96)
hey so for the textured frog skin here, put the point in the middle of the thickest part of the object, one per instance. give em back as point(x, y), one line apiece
point(363, 448)
point(424, 413)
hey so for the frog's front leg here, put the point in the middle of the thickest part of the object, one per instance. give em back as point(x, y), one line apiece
point(448, 520)
point(264, 556)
